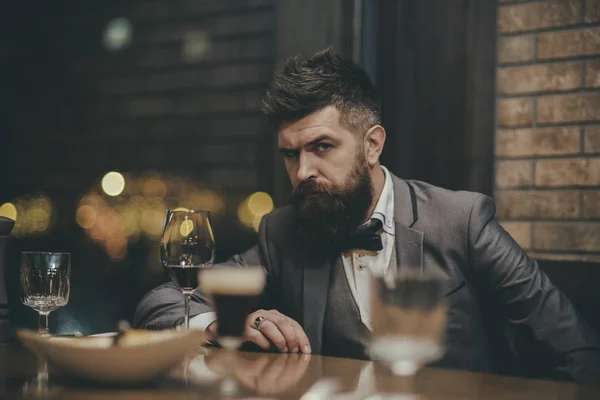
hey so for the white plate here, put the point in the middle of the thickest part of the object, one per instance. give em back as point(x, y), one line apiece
point(140, 355)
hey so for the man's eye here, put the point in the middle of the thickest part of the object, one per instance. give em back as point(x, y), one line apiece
point(290, 154)
point(323, 146)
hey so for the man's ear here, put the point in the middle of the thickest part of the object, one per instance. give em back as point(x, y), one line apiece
point(373, 144)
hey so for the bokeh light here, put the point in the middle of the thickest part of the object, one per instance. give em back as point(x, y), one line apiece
point(152, 221)
point(118, 34)
point(33, 215)
point(154, 188)
point(138, 211)
point(116, 247)
point(113, 183)
point(206, 200)
point(254, 208)
point(8, 210)
point(260, 203)
point(196, 45)
point(86, 216)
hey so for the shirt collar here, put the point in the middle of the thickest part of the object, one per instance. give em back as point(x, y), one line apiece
point(384, 209)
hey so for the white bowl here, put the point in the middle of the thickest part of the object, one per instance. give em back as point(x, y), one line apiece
point(108, 334)
point(139, 356)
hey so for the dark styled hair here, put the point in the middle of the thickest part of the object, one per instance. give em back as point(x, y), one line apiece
point(308, 84)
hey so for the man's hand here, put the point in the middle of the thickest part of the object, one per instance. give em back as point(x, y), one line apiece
point(276, 330)
point(283, 332)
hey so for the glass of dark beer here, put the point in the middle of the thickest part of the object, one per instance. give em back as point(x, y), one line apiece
point(235, 293)
point(187, 245)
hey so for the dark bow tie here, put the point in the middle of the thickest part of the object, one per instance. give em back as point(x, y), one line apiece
point(365, 238)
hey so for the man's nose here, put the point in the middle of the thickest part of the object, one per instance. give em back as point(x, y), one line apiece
point(306, 168)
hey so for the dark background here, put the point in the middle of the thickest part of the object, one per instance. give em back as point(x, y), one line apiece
point(71, 110)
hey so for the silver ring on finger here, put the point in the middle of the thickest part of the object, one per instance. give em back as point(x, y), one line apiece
point(258, 321)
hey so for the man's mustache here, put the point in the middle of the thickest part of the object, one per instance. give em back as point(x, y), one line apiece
point(311, 187)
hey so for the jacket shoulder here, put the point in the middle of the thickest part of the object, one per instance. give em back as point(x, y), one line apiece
point(447, 214)
point(278, 223)
point(438, 200)
point(281, 214)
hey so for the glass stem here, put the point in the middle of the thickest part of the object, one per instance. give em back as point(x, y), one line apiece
point(43, 325)
point(229, 386)
point(42, 372)
point(186, 319)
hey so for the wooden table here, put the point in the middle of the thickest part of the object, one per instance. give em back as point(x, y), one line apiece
point(283, 376)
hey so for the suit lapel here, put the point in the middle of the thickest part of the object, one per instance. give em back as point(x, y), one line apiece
point(409, 241)
point(409, 247)
point(317, 274)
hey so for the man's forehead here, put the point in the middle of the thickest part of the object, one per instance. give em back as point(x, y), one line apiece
point(293, 138)
point(325, 122)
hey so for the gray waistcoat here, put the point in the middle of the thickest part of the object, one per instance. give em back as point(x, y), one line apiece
point(344, 334)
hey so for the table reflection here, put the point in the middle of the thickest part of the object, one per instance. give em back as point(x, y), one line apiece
point(40, 387)
point(286, 376)
point(264, 374)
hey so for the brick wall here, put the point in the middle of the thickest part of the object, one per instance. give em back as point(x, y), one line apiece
point(548, 126)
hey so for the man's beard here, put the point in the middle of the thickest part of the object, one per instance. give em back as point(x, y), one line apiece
point(326, 213)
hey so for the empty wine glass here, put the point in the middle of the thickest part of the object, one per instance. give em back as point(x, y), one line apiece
point(187, 244)
point(45, 283)
point(409, 319)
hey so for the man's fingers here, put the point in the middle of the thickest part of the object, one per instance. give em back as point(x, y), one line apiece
point(257, 337)
point(303, 342)
point(271, 331)
point(288, 331)
point(277, 326)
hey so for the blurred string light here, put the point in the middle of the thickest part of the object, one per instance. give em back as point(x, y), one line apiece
point(33, 215)
point(117, 34)
point(254, 208)
point(113, 218)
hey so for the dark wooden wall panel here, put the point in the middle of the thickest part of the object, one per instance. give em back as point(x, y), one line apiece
point(436, 79)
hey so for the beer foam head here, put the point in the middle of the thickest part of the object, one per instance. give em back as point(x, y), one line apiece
point(234, 281)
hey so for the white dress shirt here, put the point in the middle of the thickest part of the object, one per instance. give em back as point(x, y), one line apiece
point(202, 321)
point(358, 264)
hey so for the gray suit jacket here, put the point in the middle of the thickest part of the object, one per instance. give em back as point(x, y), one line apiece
point(504, 313)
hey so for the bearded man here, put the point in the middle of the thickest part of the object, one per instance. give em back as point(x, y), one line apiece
point(327, 116)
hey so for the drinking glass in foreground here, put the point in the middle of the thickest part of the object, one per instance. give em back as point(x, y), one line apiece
point(409, 319)
point(45, 283)
point(235, 293)
point(187, 244)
